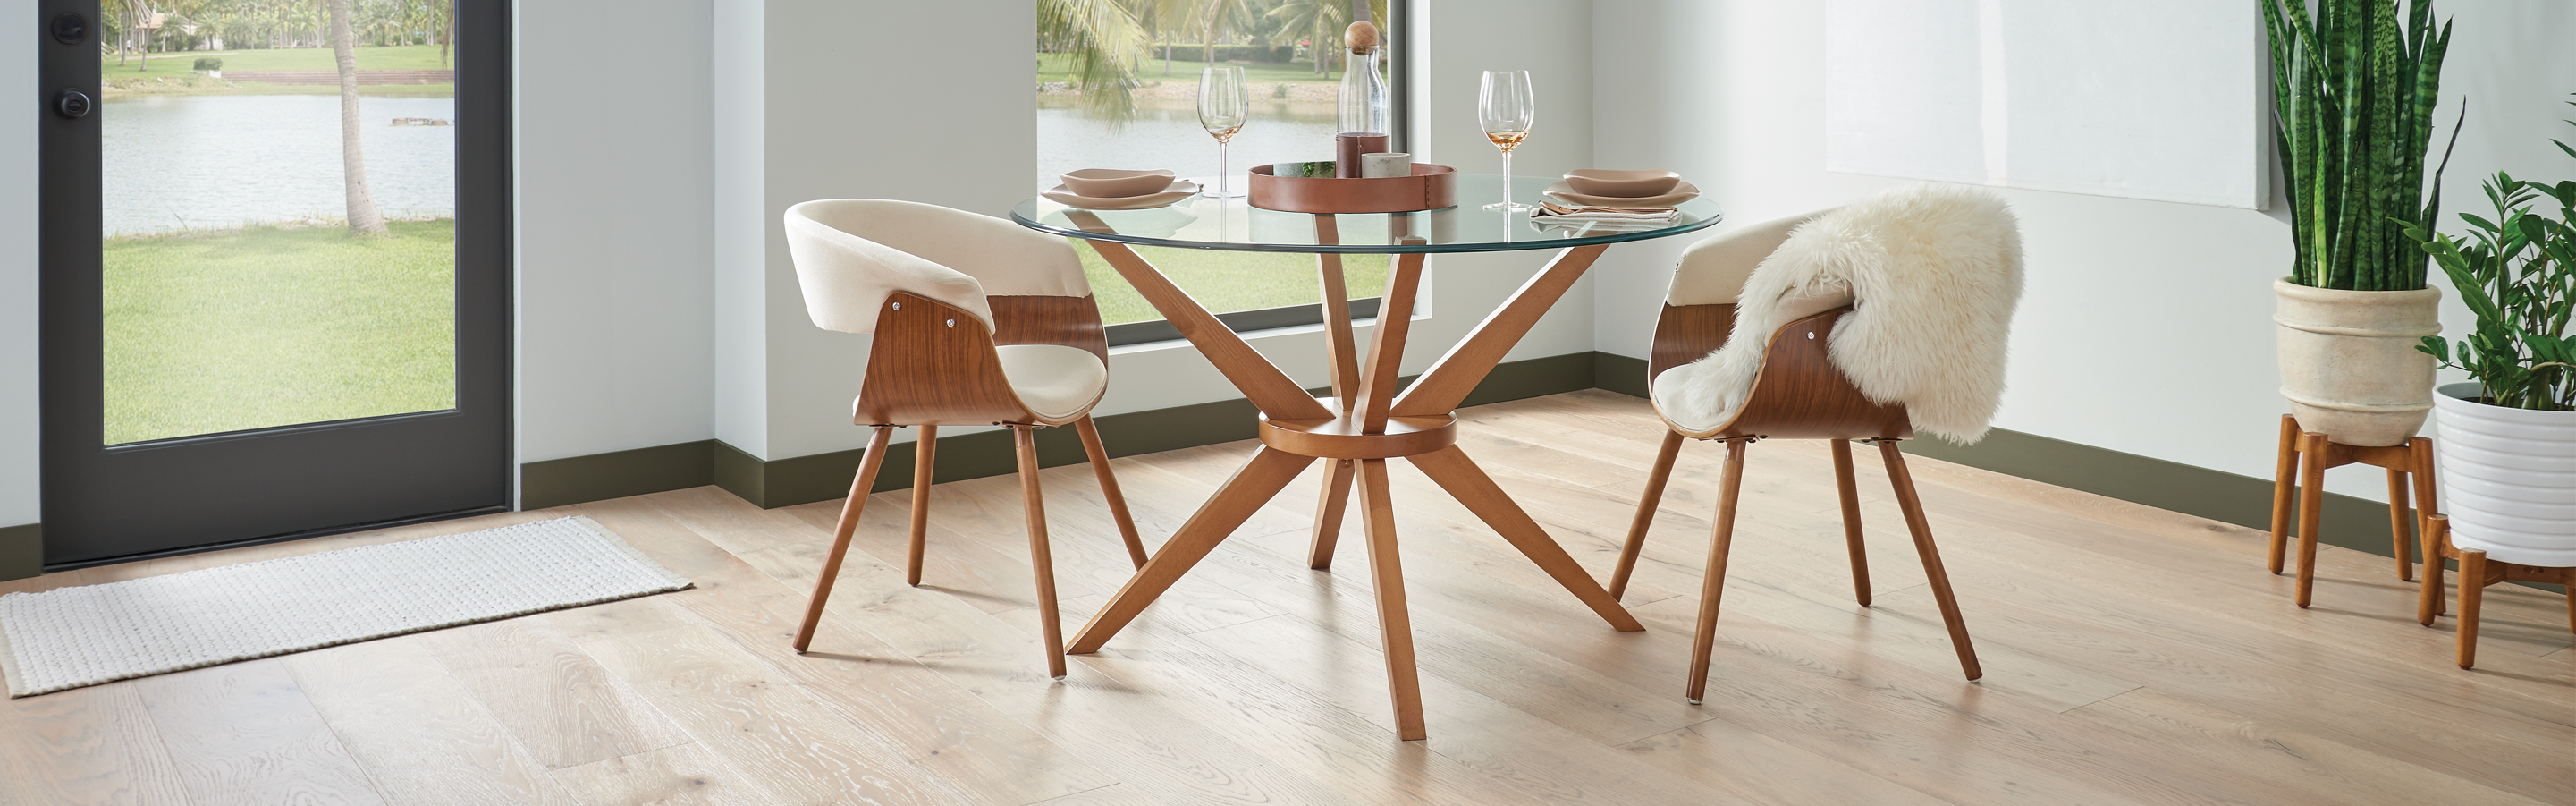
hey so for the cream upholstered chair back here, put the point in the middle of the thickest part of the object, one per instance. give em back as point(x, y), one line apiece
point(851, 253)
point(1712, 272)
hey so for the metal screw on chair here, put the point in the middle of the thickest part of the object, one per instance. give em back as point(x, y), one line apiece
point(952, 323)
point(1811, 335)
point(898, 306)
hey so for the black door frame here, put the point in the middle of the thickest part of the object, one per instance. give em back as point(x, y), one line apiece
point(106, 504)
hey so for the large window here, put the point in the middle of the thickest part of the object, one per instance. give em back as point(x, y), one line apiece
point(1117, 86)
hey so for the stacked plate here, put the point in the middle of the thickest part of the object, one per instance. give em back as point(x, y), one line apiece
point(1630, 189)
point(1112, 189)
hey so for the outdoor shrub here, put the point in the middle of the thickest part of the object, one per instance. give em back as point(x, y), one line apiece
point(1231, 53)
point(209, 63)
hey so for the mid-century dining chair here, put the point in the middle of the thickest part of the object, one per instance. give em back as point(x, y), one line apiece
point(1797, 392)
point(976, 321)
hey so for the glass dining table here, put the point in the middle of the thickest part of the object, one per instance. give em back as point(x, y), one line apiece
point(1369, 418)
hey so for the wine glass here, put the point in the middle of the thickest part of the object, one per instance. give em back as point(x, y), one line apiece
point(1223, 104)
point(1506, 106)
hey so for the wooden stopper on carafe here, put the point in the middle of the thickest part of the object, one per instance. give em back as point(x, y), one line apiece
point(1361, 37)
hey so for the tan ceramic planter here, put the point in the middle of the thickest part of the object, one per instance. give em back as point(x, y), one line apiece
point(2348, 360)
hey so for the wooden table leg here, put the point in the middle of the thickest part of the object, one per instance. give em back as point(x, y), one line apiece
point(1454, 472)
point(1395, 623)
point(1328, 512)
point(1264, 476)
point(1442, 387)
point(1343, 362)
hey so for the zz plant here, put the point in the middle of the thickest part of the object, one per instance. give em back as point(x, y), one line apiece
point(2352, 92)
point(2517, 272)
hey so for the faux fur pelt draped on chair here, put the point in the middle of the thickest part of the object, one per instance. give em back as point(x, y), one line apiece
point(1933, 273)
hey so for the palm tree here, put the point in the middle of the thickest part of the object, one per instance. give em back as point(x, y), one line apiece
point(1322, 22)
point(364, 219)
point(1104, 39)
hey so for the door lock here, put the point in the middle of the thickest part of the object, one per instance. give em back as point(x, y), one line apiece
point(73, 104)
point(70, 29)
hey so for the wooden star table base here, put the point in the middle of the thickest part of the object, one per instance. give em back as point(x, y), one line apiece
point(1366, 422)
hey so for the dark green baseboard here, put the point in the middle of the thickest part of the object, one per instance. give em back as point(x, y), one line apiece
point(2352, 523)
point(22, 551)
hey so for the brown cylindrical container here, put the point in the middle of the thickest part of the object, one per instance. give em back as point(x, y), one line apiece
point(1347, 148)
point(1431, 187)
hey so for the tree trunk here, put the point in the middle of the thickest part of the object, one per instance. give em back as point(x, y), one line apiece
point(447, 32)
point(1167, 58)
point(363, 217)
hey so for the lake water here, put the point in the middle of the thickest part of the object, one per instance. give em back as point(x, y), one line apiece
point(1166, 134)
point(217, 161)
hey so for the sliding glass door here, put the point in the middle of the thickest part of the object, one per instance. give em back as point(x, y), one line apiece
point(275, 269)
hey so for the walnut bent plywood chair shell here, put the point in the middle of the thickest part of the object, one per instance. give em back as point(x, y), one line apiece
point(1798, 394)
point(976, 321)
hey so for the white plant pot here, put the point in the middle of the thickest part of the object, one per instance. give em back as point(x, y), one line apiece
point(2348, 360)
point(2508, 478)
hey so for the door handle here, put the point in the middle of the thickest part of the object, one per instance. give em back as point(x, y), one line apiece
point(73, 104)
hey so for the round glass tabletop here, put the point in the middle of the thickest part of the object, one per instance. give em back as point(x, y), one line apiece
point(1200, 222)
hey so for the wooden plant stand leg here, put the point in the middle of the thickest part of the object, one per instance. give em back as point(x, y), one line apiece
point(1921, 527)
point(1848, 490)
point(1109, 488)
point(841, 531)
point(924, 451)
point(2285, 483)
point(1645, 518)
point(2312, 499)
point(2398, 533)
point(2473, 587)
point(1712, 583)
point(2437, 551)
point(1394, 621)
point(1338, 475)
point(2419, 459)
point(1041, 561)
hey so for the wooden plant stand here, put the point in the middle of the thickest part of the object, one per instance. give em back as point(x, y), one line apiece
point(2304, 458)
point(2476, 573)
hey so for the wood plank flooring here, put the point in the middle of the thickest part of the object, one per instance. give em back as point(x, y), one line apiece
point(2133, 656)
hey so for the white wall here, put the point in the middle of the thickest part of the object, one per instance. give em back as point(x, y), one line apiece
point(616, 212)
point(2146, 325)
point(964, 136)
point(18, 418)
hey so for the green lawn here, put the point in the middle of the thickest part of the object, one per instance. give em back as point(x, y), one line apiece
point(264, 327)
point(180, 66)
point(1226, 281)
point(1059, 67)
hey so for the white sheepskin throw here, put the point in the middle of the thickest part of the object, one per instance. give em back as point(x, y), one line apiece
point(1933, 273)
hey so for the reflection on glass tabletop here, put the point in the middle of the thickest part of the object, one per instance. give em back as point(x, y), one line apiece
point(1204, 223)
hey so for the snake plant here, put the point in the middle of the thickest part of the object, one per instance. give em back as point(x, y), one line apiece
point(2352, 95)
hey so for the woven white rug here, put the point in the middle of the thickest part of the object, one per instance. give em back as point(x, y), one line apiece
point(72, 637)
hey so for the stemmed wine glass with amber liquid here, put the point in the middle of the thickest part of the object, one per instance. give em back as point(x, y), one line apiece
point(1223, 104)
point(1506, 106)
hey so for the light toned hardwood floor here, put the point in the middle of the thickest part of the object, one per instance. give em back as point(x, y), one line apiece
point(2133, 656)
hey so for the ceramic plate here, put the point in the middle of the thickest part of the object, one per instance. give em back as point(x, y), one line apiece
point(1681, 193)
point(1180, 189)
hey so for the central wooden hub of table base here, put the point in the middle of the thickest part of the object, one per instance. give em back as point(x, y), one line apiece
point(1341, 437)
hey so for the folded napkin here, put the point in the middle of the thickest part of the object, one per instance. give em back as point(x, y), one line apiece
point(1551, 212)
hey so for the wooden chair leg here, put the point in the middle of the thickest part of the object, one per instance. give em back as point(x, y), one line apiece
point(1394, 621)
point(1338, 474)
point(841, 531)
point(2312, 501)
point(925, 450)
point(1645, 518)
point(2473, 586)
point(1109, 488)
point(1921, 527)
point(1033, 501)
point(2399, 535)
point(1847, 489)
point(1712, 584)
point(2285, 472)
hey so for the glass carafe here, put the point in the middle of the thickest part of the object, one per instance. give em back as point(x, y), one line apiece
point(1363, 120)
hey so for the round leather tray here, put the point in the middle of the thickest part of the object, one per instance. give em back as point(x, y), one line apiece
point(1431, 187)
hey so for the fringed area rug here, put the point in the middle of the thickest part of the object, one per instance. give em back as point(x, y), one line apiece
point(72, 637)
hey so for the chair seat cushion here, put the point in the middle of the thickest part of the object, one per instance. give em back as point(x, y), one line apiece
point(1056, 382)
